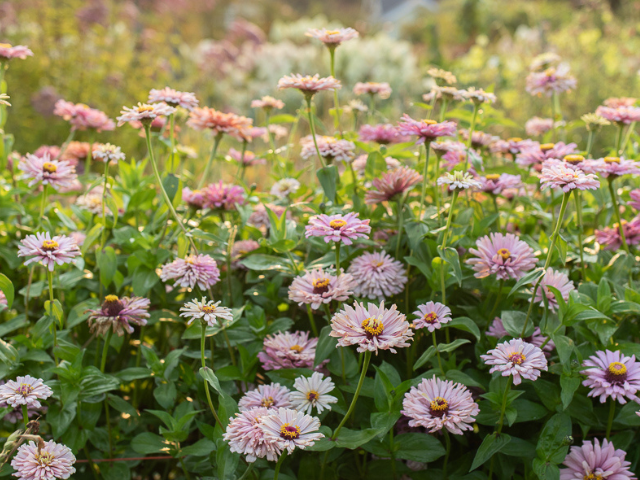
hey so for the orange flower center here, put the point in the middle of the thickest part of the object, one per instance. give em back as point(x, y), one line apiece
point(145, 108)
point(49, 167)
point(429, 121)
point(289, 432)
point(49, 245)
point(612, 159)
point(338, 223)
point(208, 309)
point(514, 139)
point(333, 32)
point(5, 45)
point(504, 253)
point(372, 326)
point(439, 404)
point(296, 348)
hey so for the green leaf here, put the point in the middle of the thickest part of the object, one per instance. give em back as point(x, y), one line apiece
point(352, 439)
point(513, 322)
point(328, 177)
point(425, 357)
point(171, 184)
point(450, 347)
point(146, 443)
point(201, 448)
point(326, 345)
point(530, 278)
point(465, 324)
point(261, 262)
point(166, 394)
point(108, 264)
point(283, 118)
point(461, 377)
point(211, 379)
point(451, 256)
point(121, 405)
point(60, 418)
point(569, 386)
point(564, 346)
point(113, 208)
point(545, 470)
point(491, 445)
point(92, 236)
point(418, 447)
point(133, 373)
point(549, 446)
point(375, 164)
point(6, 286)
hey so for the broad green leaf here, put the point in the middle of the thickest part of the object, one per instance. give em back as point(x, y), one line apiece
point(491, 445)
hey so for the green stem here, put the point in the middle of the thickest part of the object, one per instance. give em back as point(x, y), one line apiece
point(204, 365)
point(616, 212)
point(87, 163)
point(495, 306)
point(435, 344)
point(338, 258)
point(103, 236)
point(618, 140)
point(312, 321)
point(580, 232)
point(363, 374)
point(472, 128)
point(54, 326)
point(279, 464)
point(247, 471)
point(444, 246)
point(313, 130)
point(184, 469)
point(336, 118)
point(504, 403)
point(627, 137)
point(443, 108)
point(354, 178)
point(212, 155)
point(172, 120)
point(400, 223)
point(589, 143)
point(427, 144)
point(108, 421)
point(25, 416)
point(612, 412)
point(447, 441)
point(105, 350)
point(43, 204)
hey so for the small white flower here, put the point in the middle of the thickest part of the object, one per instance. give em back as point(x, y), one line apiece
point(209, 311)
point(285, 187)
point(312, 392)
point(459, 180)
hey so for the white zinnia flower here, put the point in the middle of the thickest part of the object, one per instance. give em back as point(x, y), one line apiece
point(312, 392)
point(209, 311)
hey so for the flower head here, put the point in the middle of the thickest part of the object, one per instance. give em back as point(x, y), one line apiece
point(609, 238)
point(612, 374)
point(544, 61)
point(431, 315)
point(383, 133)
point(106, 152)
point(313, 392)
point(360, 164)
point(307, 84)
point(497, 183)
point(48, 251)
point(194, 198)
point(567, 178)
point(478, 96)
point(594, 121)
point(285, 187)
point(497, 330)
point(118, 314)
point(332, 38)
point(536, 153)
point(449, 93)
point(556, 280)
point(377, 275)
point(205, 118)
point(593, 461)
point(144, 113)
point(270, 397)
point(25, 390)
point(621, 115)
point(338, 228)
point(291, 429)
point(479, 139)
point(505, 256)
point(425, 130)
point(245, 436)
point(537, 126)
point(268, 103)
point(329, 147)
point(317, 287)
point(57, 173)
point(439, 73)
point(246, 158)
point(391, 185)
point(383, 90)
point(436, 404)
point(9, 52)
point(192, 270)
point(615, 166)
point(47, 461)
point(288, 350)
point(517, 358)
point(458, 180)
point(223, 196)
point(550, 81)
point(173, 98)
point(209, 312)
point(371, 328)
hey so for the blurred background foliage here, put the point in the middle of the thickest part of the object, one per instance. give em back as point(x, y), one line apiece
point(108, 53)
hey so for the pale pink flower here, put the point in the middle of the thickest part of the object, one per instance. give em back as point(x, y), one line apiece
point(635, 199)
point(566, 178)
point(268, 103)
point(329, 147)
point(144, 113)
point(622, 115)
point(555, 279)
point(609, 237)
point(105, 152)
point(52, 150)
point(9, 52)
point(458, 180)
point(537, 126)
point(307, 84)
point(173, 98)
point(536, 153)
point(425, 130)
point(612, 374)
point(194, 198)
point(205, 118)
point(479, 139)
point(223, 196)
point(338, 228)
point(439, 73)
point(25, 390)
point(57, 173)
point(48, 461)
point(505, 256)
point(117, 314)
point(614, 102)
point(431, 315)
point(209, 312)
point(497, 183)
point(391, 185)
point(332, 38)
point(48, 251)
point(478, 96)
point(383, 90)
point(615, 166)
point(192, 270)
point(383, 133)
point(284, 187)
point(317, 287)
point(270, 397)
point(86, 118)
point(313, 392)
point(371, 328)
point(291, 429)
point(550, 81)
point(518, 359)
point(595, 461)
point(450, 93)
point(245, 436)
point(436, 404)
point(377, 275)
point(288, 350)
point(246, 159)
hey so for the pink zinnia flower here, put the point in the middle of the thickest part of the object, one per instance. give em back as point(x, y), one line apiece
point(550, 81)
point(371, 328)
point(332, 38)
point(609, 238)
point(478, 96)
point(193, 270)
point(329, 147)
point(25, 390)
point(615, 102)
point(9, 52)
point(615, 166)
point(497, 183)
point(595, 461)
point(48, 251)
point(46, 461)
point(391, 184)
point(57, 173)
point(242, 247)
point(535, 153)
point(205, 118)
point(612, 374)
point(517, 358)
point(247, 158)
point(245, 436)
point(505, 256)
point(436, 404)
point(52, 150)
point(479, 139)
point(288, 350)
point(291, 429)
point(173, 98)
point(144, 113)
point(338, 228)
point(360, 164)
point(635, 199)
point(383, 90)
point(86, 118)
point(497, 330)
point(267, 396)
point(554, 279)
point(209, 312)
point(15, 415)
point(222, 196)
point(318, 287)
point(194, 198)
point(284, 187)
point(566, 178)
point(622, 115)
point(537, 126)
point(377, 275)
point(268, 103)
point(309, 85)
point(431, 315)
point(383, 133)
point(117, 314)
point(425, 130)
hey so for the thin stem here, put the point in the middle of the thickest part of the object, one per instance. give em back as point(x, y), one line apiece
point(354, 178)
point(495, 306)
point(616, 212)
point(269, 133)
point(247, 471)
point(172, 119)
point(204, 365)
point(447, 441)
point(618, 140)
point(66, 143)
point(472, 128)
point(612, 412)
point(313, 130)
point(108, 421)
point(363, 374)
point(55, 320)
point(444, 246)
point(184, 469)
point(504, 403)
point(427, 144)
point(43, 204)
point(105, 350)
point(279, 464)
point(435, 344)
point(627, 137)
point(87, 163)
point(338, 258)
point(25, 416)
point(103, 235)
point(212, 155)
point(443, 108)
point(580, 232)
point(312, 321)
point(590, 143)
point(400, 223)
point(336, 118)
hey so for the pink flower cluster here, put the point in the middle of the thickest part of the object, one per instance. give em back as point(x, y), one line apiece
point(82, 117)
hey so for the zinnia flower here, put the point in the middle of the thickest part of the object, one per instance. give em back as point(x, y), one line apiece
point(517, 358)
point(332, 38)
point(205, 118)
point(291, 429)
point(312, 393)
point(223, 196)
point(383, 90)
point(391, 184)
point(288, 350)
point(329, 147)
point(360, 164)
point(46, 461)
point(497, 330)
point(550, 81)
point(57, 173)
point(615, 166)
point(448, 77)
point(377, 275)
point(25, 390)
point(268, 103)
point(566, 178)
point(106, 152)
point(144, 113)
point(8, 52)
point(173, 98)
point(495, 184)
point(612, 374)
point(436, 404)
point(537, 126)
point(478, 96)
point(431, 315)
point(383, 133)
point(557, 280)
point(371, 328)
point(118, 314)
point(338, 228)
point(536, 153)
point(285, 187)
point(458, 180)
point(245, 436)
point(246, 158)
point(209, 312)
point(48, 251)
point(318, 287)
point(621, 115)
point(595, 461)
point(425, 130)
point(307, 84)
point(193, 270)
point(609, 237)
point(505, 256)
point(267, 396)
point(194, 198)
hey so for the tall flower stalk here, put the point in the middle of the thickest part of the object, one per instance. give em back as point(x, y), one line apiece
point(427, 149)
point(363, 374)
point(212, 155)
point(616, 212)
point(203, 360)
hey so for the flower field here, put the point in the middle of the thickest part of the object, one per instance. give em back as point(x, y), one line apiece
point(321, 276)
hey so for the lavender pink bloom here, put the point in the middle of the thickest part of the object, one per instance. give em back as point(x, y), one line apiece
point(194, 198)
point(317, 287)
point(516, 358)
point(270, 397)
point(383, 90)
point(550, 81)
point(566, 178)
point(288, 350)
point(536, 153)
point(495, 184)
point(144, 113)
point(9, 52)
point(615, 167)
point(57, 173)
point(223, 196)
point(635, 199)
point(268, 103)
point(537, 126)
point(431, 315)
point(595, 461)
point(332, 38)
point(48, 251)
point(173, 98)
point(24, 390)
point(307, 84)
point(338, 228)
point(329, 147)
point(118, 315)
point(205, 118)
point(47, 461)
point(377, 275)
point(291, 429)
point(425, 130)
point(360, 164)
point(497, 330)
point(612, 374)
point(620, 114)
point(246, 437)
point(555, 279)
point(505, 256)
point(382, 133)
point(192, 270)
point(609, 237)
point(246, 159)
point(391, 184)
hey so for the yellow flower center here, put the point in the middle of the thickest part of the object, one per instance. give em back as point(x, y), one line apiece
point(373, 326)
point(289, 432)
point(574, 158)
point(617, 368)
point(190, 260)
point(49, 167)
point(312, 395)
point(592, 476)
point(439, 404)
point(379, 264)
point(208, 308)
point(145, 108)
point(333, 32)
point(428, 121)
point(49, 245)
point(267, 402)
point(296, 348)
point(430, 317)
point(549, 72)
point(5, 45)
point(338, 223)
point(493, 176)
point(504, 253)
point(44, 458)
point(514, 139)
point(24, 389)
point(321, 283)
point(111, 298)
point(547, 146)
point(612, 159)
point(517, 358)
